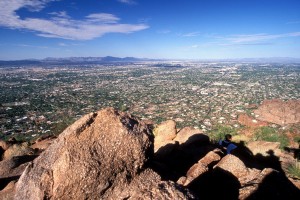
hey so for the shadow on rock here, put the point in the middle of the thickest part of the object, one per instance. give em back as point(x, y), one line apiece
point(275, 186)
point(270, 161)
point(173, 160)
point(295, 151)
point(12, 168)
point(216, 184)
point(245, 155)
point(5, 181)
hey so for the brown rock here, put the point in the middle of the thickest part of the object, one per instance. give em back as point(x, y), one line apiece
point(100, 156)
point(190, 135)
point(251, 177)
point(181, 180)
point(164, 134)
point(14, 166)
point(245, 120)
point(42, 144)
point(210, 157)
point(166, 149)
point(264, 148)
point(8, 192)
point(195, 171)
point(269, 184)
point(18, 150)
point(279, 112)
point(250, 186)
point(199, 168)
point(149, 186)
point(4, 145)
point(166, 130)
point(234, 165)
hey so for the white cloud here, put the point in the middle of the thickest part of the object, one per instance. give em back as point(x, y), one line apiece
point(31, 46)
point(192, 34)
point(61, 25)
point(253, 38)
point(103, 18)
point(127, 1)
point(62, 44)
point(61, 14)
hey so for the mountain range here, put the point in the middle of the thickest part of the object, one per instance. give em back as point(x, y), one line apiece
point(111, 59)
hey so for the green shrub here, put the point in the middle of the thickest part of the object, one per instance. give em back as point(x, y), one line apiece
point(294, 169)
point(297, 139)
point(270, 134)
point(220, 131)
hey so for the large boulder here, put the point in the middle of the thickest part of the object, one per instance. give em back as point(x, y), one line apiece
point(14, 166)
point(233, 165)
point(164, 134)
point(18, 150)
point(268, 184)
point(264, 148)
point(200, 167)
point(149, 186)
point(189, 135)
point(100, 156)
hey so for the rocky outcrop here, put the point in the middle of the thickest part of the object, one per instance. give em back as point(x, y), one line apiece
point(148, 185)
point(264, 148)
point(232, 179)
point(110, 155)
point(200, 167)
point(245, 120)
point(42, 143)
point(16, 157)
point(8, 192)
point(4, 145)
point(189, 135)
point(18, 150)
point(14, 166)
point(168, 142)
point(279, 112)
point(164, 134)
point(101, 156)
point(234, 165)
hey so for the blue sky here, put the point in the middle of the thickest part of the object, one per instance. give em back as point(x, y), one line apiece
point(172, 29)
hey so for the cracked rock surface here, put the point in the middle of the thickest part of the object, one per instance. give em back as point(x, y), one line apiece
point(101, 156)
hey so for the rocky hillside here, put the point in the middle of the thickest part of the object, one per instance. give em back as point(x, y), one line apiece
point(279, 112)
point(113, 155)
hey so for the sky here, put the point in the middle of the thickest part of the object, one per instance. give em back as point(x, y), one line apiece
point(165, 29)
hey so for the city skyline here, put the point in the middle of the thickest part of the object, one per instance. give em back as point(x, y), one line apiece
point(149, 29)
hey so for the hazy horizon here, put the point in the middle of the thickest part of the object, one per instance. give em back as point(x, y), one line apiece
point(254, 59)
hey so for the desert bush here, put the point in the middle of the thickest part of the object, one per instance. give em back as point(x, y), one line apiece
point(294, 169)
point(219, 132)
point(270, 134)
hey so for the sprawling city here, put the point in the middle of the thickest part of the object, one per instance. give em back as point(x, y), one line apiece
point(136, 99)
point(37, 100)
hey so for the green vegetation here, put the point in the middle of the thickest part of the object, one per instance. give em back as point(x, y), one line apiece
point(62, 125)
point(270, 134)
point(294, 170)
point(218, 132)
point(22, 138)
